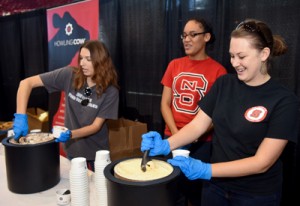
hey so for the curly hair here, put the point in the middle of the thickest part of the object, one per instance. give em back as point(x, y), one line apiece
point(105, 73)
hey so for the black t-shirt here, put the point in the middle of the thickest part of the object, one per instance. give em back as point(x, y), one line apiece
point(243, 116)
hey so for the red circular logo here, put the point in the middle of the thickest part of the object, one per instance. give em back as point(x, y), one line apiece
point(256, 114)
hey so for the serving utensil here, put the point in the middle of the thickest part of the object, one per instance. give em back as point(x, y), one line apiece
point(145, 160)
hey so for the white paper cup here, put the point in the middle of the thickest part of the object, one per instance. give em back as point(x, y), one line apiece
point(78, 164)
point(181, 152)
point(57, 130)
point(63, 197)
point(10, 133)
point(102, 155)
point(35, 130)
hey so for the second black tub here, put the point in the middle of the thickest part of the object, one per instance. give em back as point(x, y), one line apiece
point(162, 191)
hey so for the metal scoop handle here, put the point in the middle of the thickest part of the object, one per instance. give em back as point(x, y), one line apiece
point(145, 159)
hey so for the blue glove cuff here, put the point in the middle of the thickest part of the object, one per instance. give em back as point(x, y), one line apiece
point(208, 173)
point(18, 115)
point(166, 147)
point(69, 132)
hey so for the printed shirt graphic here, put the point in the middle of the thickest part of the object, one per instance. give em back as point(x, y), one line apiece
point(188, 89)
point(190, 80)
point(256, 114)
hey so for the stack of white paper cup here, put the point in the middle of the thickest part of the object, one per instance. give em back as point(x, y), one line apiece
point(101, 161)
point(79, 183)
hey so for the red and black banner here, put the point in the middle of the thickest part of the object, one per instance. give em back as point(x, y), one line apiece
point(68, 27)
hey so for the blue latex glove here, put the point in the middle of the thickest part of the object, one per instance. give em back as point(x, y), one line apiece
point(192, 168)
point(152, 141)
point(64, 136)
point(20, 126)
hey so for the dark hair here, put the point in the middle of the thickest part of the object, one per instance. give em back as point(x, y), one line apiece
point(104, 71)
point(261, 36)
point(206, 27)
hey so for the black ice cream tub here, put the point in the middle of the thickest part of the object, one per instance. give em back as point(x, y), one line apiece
point(163, 191)
point(31, 168)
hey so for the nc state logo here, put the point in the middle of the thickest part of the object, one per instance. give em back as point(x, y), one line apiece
point(256, 114)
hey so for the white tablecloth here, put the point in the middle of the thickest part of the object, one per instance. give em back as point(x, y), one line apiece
point(44, 198)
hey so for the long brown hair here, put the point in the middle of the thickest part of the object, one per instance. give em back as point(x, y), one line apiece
point(104, 70)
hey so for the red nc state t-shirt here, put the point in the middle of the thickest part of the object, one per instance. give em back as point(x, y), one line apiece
point(190, 80)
